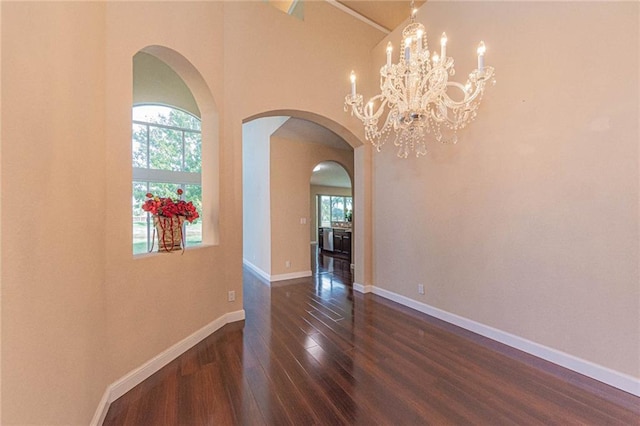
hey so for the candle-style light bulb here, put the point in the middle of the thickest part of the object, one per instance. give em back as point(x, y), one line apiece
point(481, 50)
point(419, 41)
point(443, 46)
point(353, 83)
point(370, 108)
point(407, 49)
point(389, 51)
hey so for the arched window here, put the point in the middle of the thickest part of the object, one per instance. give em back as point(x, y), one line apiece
point(166, 155)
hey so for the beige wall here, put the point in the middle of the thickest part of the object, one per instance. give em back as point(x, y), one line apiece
point(0, 220)
point(53, 143)
point(78, 310)
point(363, 216)
point(313, 204)
point(292, 164)
point(530, 223)
point(256, 195)
point(154, 301)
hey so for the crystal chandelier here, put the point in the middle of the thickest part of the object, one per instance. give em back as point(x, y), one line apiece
point(418, 94)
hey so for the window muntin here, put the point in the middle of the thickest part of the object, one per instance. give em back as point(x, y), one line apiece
point(166, 155)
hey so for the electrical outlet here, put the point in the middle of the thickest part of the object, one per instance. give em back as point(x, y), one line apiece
point(287, 264)
point(420, 288)
point(231, 296)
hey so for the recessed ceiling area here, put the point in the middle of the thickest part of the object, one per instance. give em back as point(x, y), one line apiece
point(330, 173)
point(297, 129)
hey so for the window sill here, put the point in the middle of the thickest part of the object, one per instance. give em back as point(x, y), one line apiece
point(187, 249)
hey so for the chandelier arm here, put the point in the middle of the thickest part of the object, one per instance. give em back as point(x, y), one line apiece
point(380, 110)
point(391, 94)
point(468, 97)
point(368, 117)
point(360, 110)
point(387, 79)
point(431, 88)
point(354, 102)
point(454, 115)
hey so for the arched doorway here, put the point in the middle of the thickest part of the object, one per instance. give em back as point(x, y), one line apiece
point(279, 154)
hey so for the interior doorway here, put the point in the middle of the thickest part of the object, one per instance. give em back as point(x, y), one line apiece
point(332, 211)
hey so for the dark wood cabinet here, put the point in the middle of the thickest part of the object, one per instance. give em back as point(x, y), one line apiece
point(342, 241)
point(346, 243)
point(337, 242)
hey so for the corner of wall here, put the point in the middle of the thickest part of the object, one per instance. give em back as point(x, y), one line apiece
point(136, 376)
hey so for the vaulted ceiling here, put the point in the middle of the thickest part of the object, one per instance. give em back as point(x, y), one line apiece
point(387, 14)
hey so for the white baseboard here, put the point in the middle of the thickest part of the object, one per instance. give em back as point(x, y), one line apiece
point(262, 274)
point(138, 375)
point(101, 411)
point(603, 374)
point(234, 317)
point(290, 276)
point(272, 278)
point(362, 288)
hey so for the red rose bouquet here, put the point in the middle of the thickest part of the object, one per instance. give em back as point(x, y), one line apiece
point(167, 207)
point(168, 217)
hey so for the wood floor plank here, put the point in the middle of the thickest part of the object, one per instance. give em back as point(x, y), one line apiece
point(237, 389)
point(330, 401)
point(314, 352)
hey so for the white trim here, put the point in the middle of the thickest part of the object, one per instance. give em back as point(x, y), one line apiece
point(262, 274)
point(290, 276)
point(101, 411)
point(293, 5)
point(362, 288)
point(603, 374)
point(234, 316)
point(154, 175)
point(130, 380)
point(358, 16)
point(272, 278)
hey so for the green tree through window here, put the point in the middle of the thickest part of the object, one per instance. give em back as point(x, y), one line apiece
point(166, 155)
point(334, 209)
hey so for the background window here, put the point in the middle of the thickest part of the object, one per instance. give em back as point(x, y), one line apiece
point(166, 155)
point(334, 209)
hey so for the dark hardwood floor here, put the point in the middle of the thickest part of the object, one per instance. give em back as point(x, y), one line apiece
point(312, 351)
point(323, 263)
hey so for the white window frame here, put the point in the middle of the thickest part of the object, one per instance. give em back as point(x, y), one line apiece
point(180, 178)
